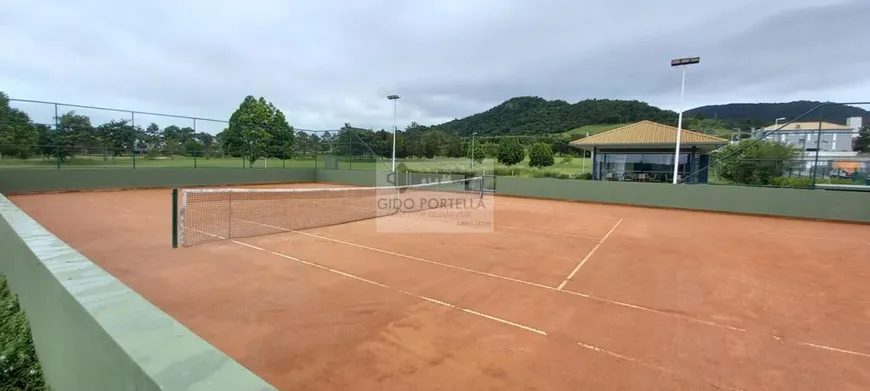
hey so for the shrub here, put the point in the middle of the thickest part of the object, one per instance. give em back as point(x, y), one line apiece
point(541, 155)
point(754, 162)
point(536, 173)
point(510, 151)
point(791, 181)
point(21, 370)
point(505, 171)
point(567, 159)
point(586, 176)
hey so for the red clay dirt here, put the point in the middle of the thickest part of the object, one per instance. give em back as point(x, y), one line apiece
point(669, 300)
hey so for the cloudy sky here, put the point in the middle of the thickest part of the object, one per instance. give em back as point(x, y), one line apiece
point(328, 62)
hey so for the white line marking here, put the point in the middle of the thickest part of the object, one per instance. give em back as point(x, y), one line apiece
point(583, 295)
point(833, 349)
point(431, 300)
point(589, 255)
point(529, 283)
point(648, 365)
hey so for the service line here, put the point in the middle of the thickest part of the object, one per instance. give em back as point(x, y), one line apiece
point(589, 255)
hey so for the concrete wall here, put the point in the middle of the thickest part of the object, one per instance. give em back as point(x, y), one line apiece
point(42, 180)
point(802, 203)
point(92, 332)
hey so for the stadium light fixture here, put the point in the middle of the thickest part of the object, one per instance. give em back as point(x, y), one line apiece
point(395, 99)
point(682, 63)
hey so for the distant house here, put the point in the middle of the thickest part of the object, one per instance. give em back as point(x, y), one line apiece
point(644, 152)
point(805, 136)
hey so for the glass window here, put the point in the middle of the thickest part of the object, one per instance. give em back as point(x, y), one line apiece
point(625, 166)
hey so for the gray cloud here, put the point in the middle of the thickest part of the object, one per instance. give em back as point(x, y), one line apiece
point(330, 62)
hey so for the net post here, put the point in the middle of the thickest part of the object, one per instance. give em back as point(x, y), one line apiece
point(174, 218)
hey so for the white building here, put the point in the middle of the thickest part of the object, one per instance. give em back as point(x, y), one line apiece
point(805, 136)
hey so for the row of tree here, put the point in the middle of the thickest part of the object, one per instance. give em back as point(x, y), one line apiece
point(257, 129)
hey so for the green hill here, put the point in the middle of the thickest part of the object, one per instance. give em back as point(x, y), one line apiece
point(531, 115)
point(763, 114)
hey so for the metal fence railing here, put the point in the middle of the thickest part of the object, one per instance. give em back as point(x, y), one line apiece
point(47, 135)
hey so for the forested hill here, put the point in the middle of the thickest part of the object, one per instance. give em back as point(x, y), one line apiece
point(769, 112)
point(534, 115)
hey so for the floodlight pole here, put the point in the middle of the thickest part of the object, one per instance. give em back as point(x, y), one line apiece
point(395, 99)
point(682, 63)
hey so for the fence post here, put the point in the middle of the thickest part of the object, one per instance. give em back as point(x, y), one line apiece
point(56, 137)
point(174, 218)
point(194, 153)
point(133, 125)
point(818, 146)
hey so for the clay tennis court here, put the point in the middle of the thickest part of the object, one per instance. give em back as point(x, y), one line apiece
point(559, 296)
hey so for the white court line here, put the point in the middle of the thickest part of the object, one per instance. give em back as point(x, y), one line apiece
point(358, 278)
point(651, 366)
point(421, 297)
point(529, 283)
point(589, 255)
point(833, 349)
point(466, 310)
point(550, 288)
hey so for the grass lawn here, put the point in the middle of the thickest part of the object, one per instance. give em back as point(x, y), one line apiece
point(440, 164)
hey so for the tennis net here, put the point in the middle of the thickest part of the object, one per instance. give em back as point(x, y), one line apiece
point(202, 215)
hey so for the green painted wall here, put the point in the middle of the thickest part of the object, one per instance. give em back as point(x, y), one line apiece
point(92, 332)
point(41, 180)
point(813, 204)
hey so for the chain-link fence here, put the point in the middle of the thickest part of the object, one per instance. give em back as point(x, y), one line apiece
point(804, 151)
point(807, 151)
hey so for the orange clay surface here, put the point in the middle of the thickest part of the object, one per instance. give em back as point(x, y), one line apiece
point(658, 300)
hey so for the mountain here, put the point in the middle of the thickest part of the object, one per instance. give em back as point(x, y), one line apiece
point(767, 113)
point(532, 115)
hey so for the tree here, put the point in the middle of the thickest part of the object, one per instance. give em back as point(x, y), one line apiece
point(255, 130)
point(74, 135)
point(489, 149)
point(541, 155)
point(115, 137)
point(510, 151)
point(755, 162)
point(862, 142)
point(18, 136)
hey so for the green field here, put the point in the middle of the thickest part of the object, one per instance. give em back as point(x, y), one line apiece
point(439, 164)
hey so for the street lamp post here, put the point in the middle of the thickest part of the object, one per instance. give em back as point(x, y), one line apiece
point(472, 148)
point(682, 63)
point(395, 99)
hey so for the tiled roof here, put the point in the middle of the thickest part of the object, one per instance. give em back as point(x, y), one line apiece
point(648, 132)
point(797, 126)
